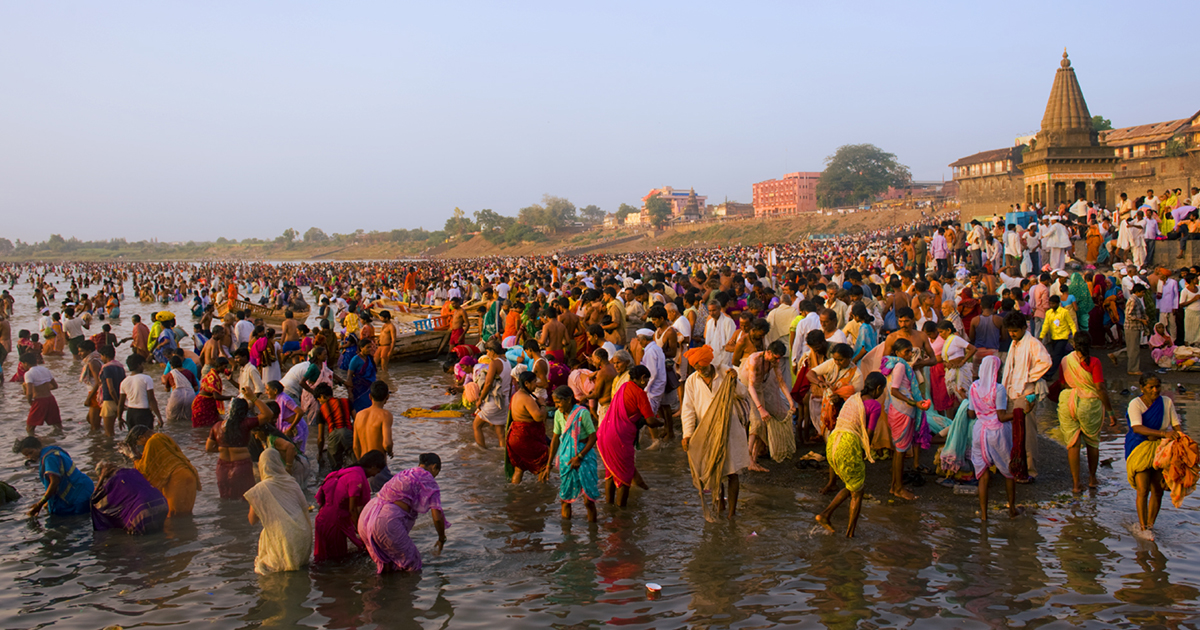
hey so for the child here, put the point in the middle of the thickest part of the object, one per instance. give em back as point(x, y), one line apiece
point(575, 433)
point(1162, 347)
point(956, 354)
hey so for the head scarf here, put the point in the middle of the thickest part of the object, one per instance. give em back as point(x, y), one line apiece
point(983, 391)
point(699, 357)
point(1078, 289)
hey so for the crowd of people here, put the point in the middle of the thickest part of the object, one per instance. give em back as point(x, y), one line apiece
point(935, 335)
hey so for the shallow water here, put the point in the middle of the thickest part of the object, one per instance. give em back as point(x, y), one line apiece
point(512, 562)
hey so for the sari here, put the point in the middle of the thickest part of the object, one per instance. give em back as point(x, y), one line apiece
point(616, 434)
point(74, 488)
point(1094, 241)
point(573, 431)
point(866, 340)
point(848, 446)
point(286, 541)
point(334, 523)
point(165, 466)
point(905, 423)
point(362, 374)
point(968, 308)
point(384, 526)
point(776, 428)
point(526, 445)
point(842, 387)
point(1140, 449)
point(956, 452)
point(1078, 288)
point(992, 440)
point(206, 410)
point(1178, 460)
point(1080, 411)
point(488, 329)
point(126, 500)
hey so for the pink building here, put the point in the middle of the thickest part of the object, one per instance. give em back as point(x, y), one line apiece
point(794, 193)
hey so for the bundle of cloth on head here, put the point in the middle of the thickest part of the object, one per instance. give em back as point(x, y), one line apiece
point(699, 357)
point(164, 316)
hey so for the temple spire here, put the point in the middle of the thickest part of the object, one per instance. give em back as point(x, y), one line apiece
point(1066, 110)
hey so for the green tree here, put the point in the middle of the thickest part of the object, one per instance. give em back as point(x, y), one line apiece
point(56, 243)
point(591, 214)
point(856, 173)
point(288, 237)
point(489, 220)
point(556, 213)
point(315, 235)
point(221, 240)
point(458, 224)
point(6, 246)
point(659, 210)
point(625, 210)
point(1100, 123)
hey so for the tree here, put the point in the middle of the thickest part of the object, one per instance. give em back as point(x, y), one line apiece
point(659, 210)
point(458, 224)
point(315, 235)
point(591, 214)
point(625, 210)
point(56, 243)
point(490, 220)
point(557, 212)
point(1100, 123)
point(1175, 147)
point(6, 246)
point(856, 173)
point(288, 237)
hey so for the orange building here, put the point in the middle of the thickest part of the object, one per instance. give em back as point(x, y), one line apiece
point(794, 193)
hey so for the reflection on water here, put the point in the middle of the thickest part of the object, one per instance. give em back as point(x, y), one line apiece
point(511, 561)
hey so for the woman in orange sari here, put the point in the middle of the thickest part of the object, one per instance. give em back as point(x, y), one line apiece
point(1094, 241)
point(165, 467)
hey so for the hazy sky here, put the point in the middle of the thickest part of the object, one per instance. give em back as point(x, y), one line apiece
point(196, 120)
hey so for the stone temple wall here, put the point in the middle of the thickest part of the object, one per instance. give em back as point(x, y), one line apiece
point(987, 195)
point(1135, 176)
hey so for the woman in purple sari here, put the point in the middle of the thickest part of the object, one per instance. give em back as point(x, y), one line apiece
point(386, 521)
point(124, 499)
point(342, 496)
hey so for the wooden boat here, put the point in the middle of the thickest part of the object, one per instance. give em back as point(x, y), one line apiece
point(273, 316)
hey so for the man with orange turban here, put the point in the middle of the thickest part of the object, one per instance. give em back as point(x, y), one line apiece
point(714, 433)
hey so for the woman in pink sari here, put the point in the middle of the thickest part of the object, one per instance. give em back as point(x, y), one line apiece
point(617, 434)
point(384, 524)
point(342, 496)
point(992, 439)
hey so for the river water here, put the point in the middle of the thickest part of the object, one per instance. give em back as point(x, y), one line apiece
point(512, 562)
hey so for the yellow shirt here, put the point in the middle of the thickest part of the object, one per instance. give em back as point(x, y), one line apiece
point(1059, 324)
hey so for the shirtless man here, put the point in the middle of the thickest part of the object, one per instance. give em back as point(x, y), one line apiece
point(920, 342)
point(92, 364)
point(602, 380)
point(458, 322)
point(554, 335)
point(573, 325)
point(39, 386)
point(290, 339)
point(751, 341)
point(387, 341)
point(614, 331)
point(373, 425)
point(213, 349)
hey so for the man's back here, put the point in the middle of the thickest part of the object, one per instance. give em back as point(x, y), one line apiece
point(372, 430)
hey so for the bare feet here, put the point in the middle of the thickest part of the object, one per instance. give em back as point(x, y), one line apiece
point(1014, 512)
point(903, 493)
point(825, 523)
point(1076, 490)
point(756, 468)
point(1093, 484)
point(1112, 357)
point(1144, 534)
point(828, 488)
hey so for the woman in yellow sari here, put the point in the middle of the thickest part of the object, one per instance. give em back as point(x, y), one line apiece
point(1152, 418)
point(848, 448)
point(166, 468)
point(1082, 406)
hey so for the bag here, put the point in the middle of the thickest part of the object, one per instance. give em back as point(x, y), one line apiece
point(672, 378)
point(890, 323)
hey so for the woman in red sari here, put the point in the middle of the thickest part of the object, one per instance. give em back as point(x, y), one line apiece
point(968, 308)
point(617, 434)
point(206, 406)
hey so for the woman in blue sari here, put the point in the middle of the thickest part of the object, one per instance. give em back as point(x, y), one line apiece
point(1152, 418)
point(867, 337)
point(574, 448)
point(362, 373)
point(68, 490)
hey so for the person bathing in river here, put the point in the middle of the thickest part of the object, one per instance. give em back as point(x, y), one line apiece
point(848, 445)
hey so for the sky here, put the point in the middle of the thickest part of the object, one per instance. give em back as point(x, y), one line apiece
point(191, 121)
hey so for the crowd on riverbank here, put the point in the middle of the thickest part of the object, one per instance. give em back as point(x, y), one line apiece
point(875, 345)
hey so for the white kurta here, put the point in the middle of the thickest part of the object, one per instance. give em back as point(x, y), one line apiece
point(697, 396)
point(716, 334)
point(655, 361)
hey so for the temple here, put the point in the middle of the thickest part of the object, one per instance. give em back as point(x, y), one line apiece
point(1068, 159)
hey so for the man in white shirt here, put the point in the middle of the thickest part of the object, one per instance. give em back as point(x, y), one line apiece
point(680, 323)
point(1058, 241)
point(807, 322)
point(137, 403)
point(1012, 246)
point(503, 288)
point(249, 378)
point(39, 385)
point(654, 360)
point(1152, 201)
point(718, 330)
point(1189, 300)
point(242, 330)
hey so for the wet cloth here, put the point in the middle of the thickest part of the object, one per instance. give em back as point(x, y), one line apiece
point(573, 432)
point(74, 488)
point(905, 422)
point(1080, 411)
point(165, 466)
point(710, 448)
point(384, 526)
point(1178, 460)
point(616, 434)
point(494, 408)
point(179, 403)
point(696, 415)
point(991, 439)
point(362, 372)
point(527, 446)
point(234, 478)
point(43, 411)
point(126, 500)
point(286, 541)
point(765, 387)
point(848, 446)
point(956, 452)
point(335, 525)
